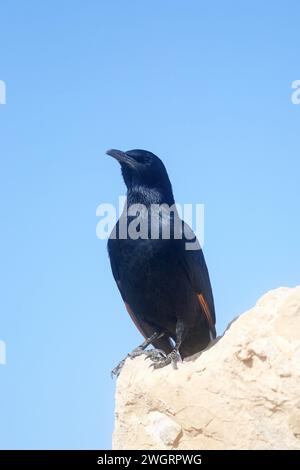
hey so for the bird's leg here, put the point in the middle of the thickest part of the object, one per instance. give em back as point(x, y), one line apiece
point(141, 349)
point(116, 370)
point(173, 357)
point(154, 354)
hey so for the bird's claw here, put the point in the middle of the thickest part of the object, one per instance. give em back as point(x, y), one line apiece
point(155, 355)
point(116, 371)
point(171, 358)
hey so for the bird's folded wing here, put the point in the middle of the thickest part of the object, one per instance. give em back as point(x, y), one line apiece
point(195, 266)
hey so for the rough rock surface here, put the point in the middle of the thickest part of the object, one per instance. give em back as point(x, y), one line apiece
point(242, 393)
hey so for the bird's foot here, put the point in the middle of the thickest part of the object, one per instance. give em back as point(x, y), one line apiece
point(171, 358)
point(154, 354)
point(136, 352)
point(116, 370)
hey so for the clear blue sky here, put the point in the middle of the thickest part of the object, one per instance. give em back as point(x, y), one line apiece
point(206, 86)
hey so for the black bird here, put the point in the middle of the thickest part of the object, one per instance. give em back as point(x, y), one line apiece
point(165, 287)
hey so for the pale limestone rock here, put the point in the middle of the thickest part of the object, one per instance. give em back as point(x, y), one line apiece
point(242, 393)
point(162, 428)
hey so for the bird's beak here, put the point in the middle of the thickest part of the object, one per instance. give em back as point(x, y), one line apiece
point(121, 157)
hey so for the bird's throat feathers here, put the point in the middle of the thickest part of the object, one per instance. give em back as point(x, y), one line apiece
point(144, 195)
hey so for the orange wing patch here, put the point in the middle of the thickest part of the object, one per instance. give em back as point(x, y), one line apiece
point(206, 311)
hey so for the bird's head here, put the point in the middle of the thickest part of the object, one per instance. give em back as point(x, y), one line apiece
point(143, 170)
